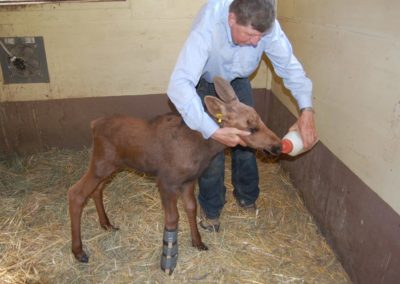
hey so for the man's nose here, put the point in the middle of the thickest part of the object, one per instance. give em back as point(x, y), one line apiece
point(254, 40)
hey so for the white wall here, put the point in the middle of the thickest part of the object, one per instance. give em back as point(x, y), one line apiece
point(351, 51)
point(103, 49)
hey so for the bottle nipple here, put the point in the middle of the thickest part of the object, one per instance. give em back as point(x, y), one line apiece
point(287, 146)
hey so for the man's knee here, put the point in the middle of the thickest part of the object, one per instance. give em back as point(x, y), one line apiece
point(217, 166)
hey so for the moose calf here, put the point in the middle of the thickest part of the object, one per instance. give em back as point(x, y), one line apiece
point(167, 148)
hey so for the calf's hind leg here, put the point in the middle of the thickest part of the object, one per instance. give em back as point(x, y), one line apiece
point(97, 196)
point(78, 195)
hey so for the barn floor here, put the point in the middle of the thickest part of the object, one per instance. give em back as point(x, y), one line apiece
point(279, 243)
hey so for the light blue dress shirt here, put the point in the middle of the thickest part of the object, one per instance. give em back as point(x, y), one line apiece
point(209, 51)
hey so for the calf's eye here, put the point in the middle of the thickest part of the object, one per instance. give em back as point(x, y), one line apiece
point(253, 130)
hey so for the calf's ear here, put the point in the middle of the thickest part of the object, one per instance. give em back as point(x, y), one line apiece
point(215, 106)
point(224, 90)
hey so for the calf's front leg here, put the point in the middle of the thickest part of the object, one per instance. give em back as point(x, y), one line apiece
point(190, 205)
point(169, 257)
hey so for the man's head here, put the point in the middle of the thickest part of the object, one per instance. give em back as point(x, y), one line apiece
point(249, 20)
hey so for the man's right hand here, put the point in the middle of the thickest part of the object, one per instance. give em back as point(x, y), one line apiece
point(230, 136)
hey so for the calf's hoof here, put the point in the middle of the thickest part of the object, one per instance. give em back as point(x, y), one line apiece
point(82, 257)
point(169, 257)
point(109, 227)
point(200, 246)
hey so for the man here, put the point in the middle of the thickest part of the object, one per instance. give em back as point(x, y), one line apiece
point(228, 39)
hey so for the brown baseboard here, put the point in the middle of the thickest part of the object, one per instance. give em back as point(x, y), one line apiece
point(33, 126)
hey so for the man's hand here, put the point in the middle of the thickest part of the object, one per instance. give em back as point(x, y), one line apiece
point(230, 136)
point(306, 125)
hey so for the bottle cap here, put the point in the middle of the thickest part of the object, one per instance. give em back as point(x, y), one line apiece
point(287, 146)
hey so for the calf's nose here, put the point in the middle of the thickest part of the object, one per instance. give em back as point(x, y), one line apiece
point(276, 150)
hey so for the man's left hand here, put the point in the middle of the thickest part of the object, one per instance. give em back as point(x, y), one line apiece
point(306, 126)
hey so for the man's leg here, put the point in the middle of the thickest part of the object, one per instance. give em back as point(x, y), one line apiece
point(212, 193)
point(211, 183)
point(245, 177)
point(244, 166)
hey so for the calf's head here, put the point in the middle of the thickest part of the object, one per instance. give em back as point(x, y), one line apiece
point(230, 112)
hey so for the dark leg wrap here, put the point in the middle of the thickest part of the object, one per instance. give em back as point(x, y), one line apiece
point(169, 255)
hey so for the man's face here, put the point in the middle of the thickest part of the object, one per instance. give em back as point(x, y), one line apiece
point(243, 35)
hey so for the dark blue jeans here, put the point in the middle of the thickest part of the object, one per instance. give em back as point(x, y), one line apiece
point(244, 166)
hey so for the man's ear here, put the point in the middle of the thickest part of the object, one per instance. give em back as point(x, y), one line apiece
point(231, 19)
point(215, 106)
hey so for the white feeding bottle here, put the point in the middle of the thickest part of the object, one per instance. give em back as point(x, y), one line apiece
point(292, 144)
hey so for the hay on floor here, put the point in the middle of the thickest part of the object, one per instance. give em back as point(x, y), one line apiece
point(279, 243)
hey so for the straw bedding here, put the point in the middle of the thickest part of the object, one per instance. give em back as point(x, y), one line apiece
point(279, 243)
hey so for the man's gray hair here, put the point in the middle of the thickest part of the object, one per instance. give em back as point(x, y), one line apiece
point(259, 14)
